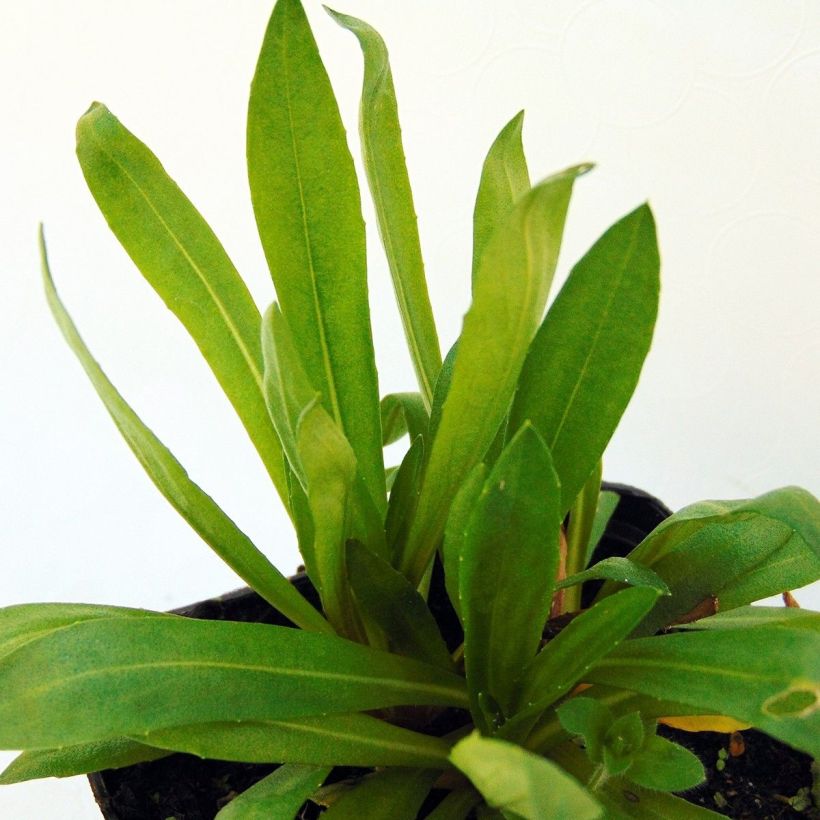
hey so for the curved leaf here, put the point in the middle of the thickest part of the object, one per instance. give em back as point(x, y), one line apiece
point(386, 170)
point(393, 794)
point(181, 258)
point(622, 570)
point(403, 413)
point(306, 201)
point(332, 740)
point(584, 362)
point(280, 794)
point(511, 291)
point(240, 671)
point(203, 514)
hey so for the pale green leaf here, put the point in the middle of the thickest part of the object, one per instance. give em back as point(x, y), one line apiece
point(279, 795)
point(181, 258)
point(337, 740)
point(393, 794)
point(79, 759)
point(89, 681)
point(729, 673)
point(508, 565)
point(215, 528)
point(584, 362)
point(504, 180)
point(581, 520)
point(514, 780)
point(306, 201)
point(386, 171)
point(511, 289)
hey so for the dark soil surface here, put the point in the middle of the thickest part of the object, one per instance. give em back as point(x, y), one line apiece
point(768, 781)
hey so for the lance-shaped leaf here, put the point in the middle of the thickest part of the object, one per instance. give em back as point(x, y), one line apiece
point(511, 290)
point(79, 759)
point(387, 599)
point(566, 659)
point(745, 617)
point(509, 561)
point(215, 528)
point(457, 805)
point(735, 552)
point(581, 520)
point(102, 679)
point(504, 179)
point(404, 495)
point(622, 570)
point(517, 781)
point(731, 673)
point(607, 502)
point(308, 212)
point(181, 258)
point(394, 794)
point(280, 794)
point(384, 163)
point(403, 413)
point(333, 740)
point(585, 360)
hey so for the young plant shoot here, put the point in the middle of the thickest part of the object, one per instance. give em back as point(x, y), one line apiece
point(499, 488)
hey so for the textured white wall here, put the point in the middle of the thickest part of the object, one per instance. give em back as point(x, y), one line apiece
point(711, 110)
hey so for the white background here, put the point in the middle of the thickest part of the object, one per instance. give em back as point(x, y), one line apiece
point(711, 110)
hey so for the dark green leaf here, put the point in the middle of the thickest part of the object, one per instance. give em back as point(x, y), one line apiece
point(203, 514)
point(386, 171)
point(308, 211)
point(80, 759)
point(622, 742)
point(339, 740)
point(181, 258)
point(584, 362)
point(404, 495)
point(403, 413)
point(509, 560)
point(393, 794)
point(607, 502)
point(589, 719)
point(445, 376)
point(618, 569)
point(666, 766)
point(102, 679)
point(387, 599)
point(280, 794)
point(504, 179)
point(729, 673)
point(457, 805)
point(509, 297)
point(518, 781)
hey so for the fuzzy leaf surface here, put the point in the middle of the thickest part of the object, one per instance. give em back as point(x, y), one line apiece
point(106, 678)
point(308, 212)
point(181, 258)
point(584, 362)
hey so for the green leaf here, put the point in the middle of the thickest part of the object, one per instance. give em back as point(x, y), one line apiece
point(509, 561)
point(457, 805)
point(581, 520)
point(455, 531)
point(584, 362)
point(92, 679)
point(518, 781)
point(509, 297)
point(387, 599)
point(280, 794)
point(618, 569)
point(394, 794)
point(607, 502)
point(504, 180)
point(567, 658)
point(443, 381)
point(22, 623)
point(203, 514)
point(79, 759)
point(386, 171)
point(735, 551)
point(181, 258)
point(729, 673)
point(589, 719)
point(308, 212)
point(403, 413)
point(665, 766)
point(404, 496)
point(745, 617)
point(333, 740)
point(622, 741)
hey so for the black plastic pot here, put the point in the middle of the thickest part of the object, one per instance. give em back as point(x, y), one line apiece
point(184, 787)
